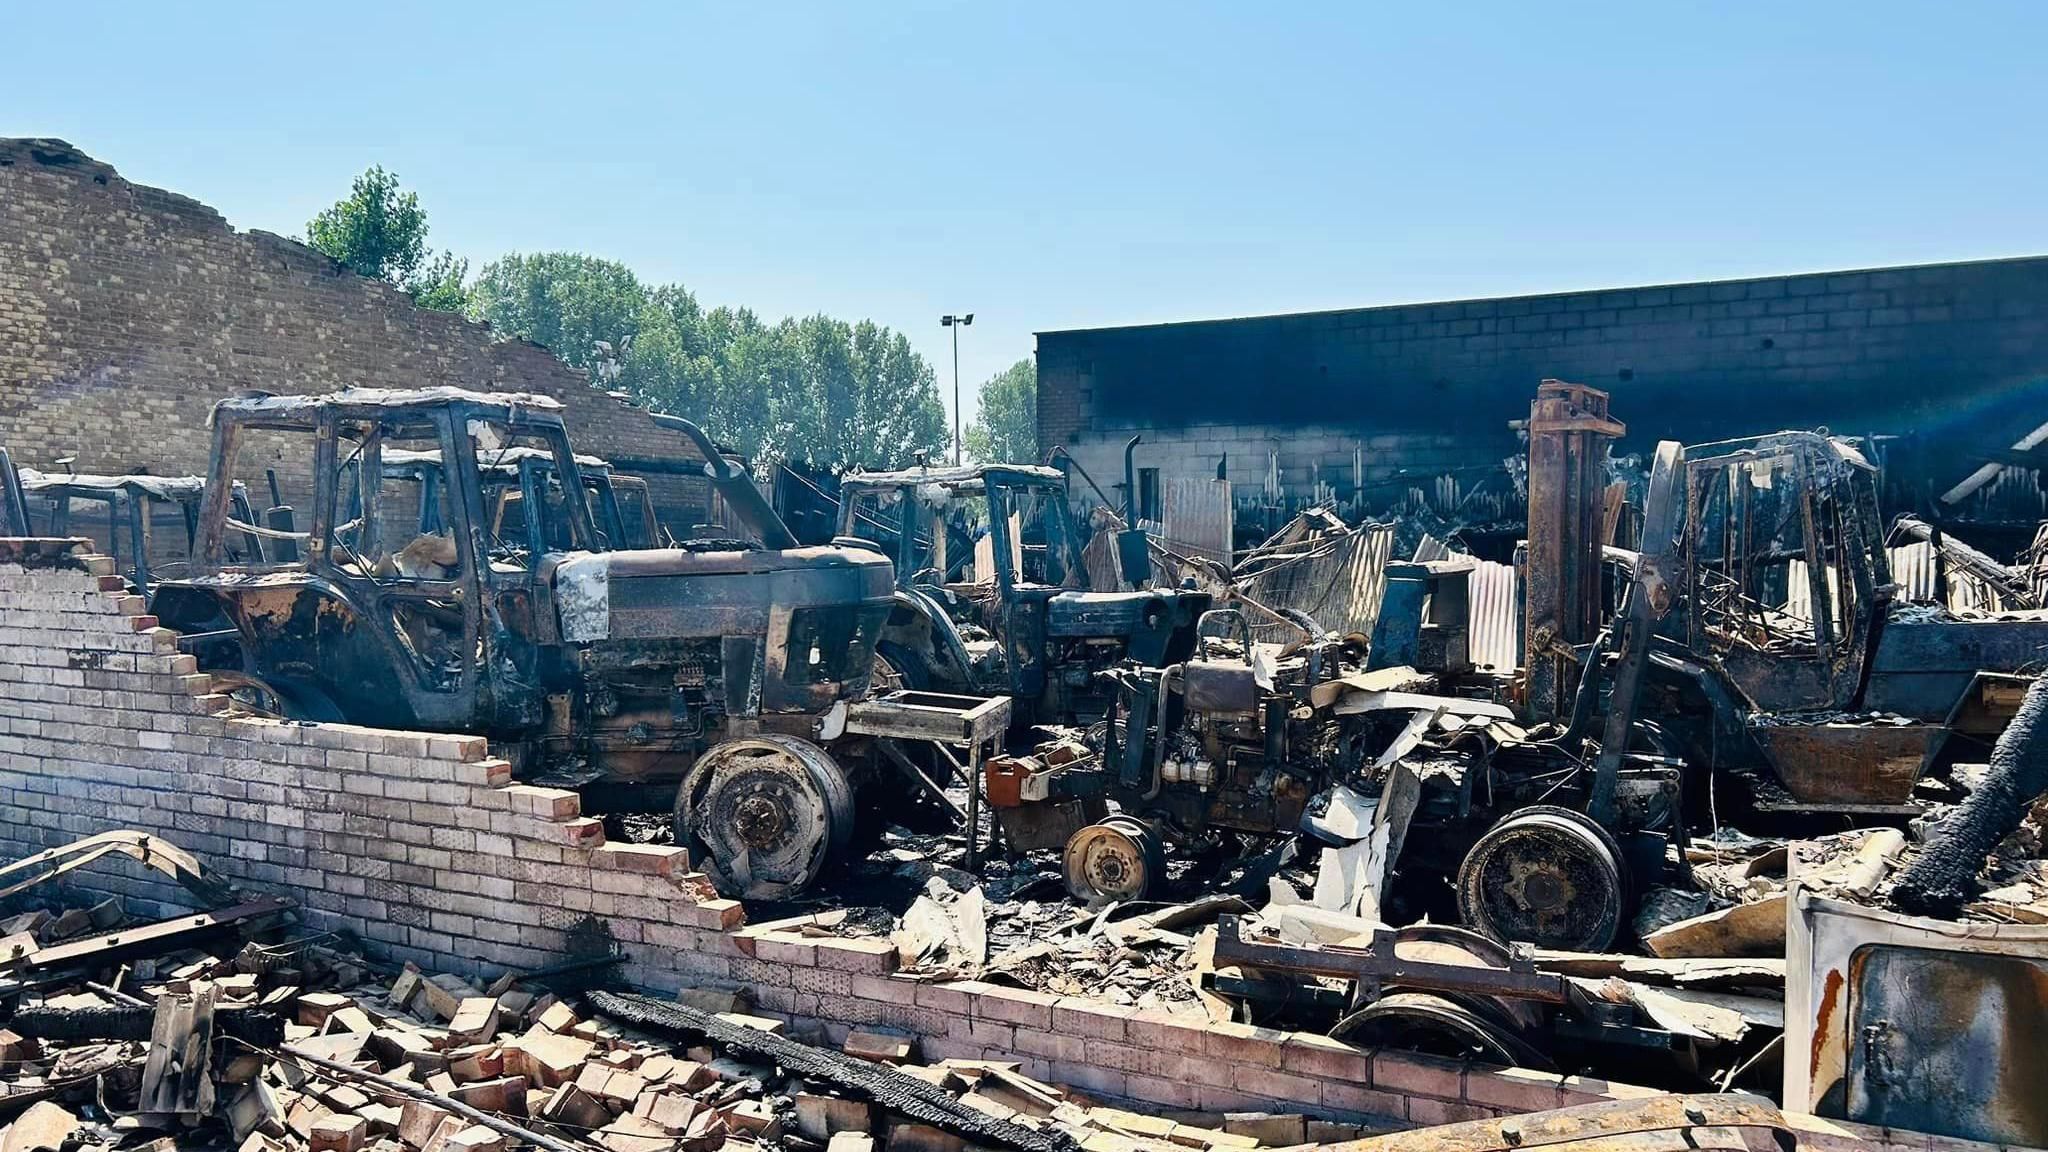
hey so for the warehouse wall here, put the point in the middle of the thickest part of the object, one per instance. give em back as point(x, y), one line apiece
point(127, 311)
point(1954, 351)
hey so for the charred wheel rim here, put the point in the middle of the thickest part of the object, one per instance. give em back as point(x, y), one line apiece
point(885, 677)
point(1450, 944)
point(765, 814)
point(251, 694)
point(1547, 876)
point(1438, 1026)
point(1120, 858)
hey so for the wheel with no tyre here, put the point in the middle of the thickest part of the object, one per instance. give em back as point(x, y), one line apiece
point(1120, 858)
point(1547, 876)
point(765, 815)
point(1437, 1026)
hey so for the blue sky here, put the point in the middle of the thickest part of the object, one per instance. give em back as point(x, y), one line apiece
point(1051, 165)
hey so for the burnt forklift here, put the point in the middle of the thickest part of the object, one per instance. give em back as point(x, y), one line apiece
point(1010, 613)
point(711, 671)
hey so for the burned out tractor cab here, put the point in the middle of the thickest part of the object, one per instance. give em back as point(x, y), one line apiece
point(414, 597)
point(1827, 692)
point(1009, 612)
point(516, 478)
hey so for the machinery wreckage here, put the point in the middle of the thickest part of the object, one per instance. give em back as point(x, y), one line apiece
point(1723, 709)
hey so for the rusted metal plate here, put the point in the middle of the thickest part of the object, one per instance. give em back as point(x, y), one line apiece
point(1930, 1025)
point(1849, 763)
point(1569, 433)
point(151, 939)
point(1387, 961)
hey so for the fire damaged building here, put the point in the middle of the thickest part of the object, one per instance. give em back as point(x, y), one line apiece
point(1941, 368)
point(450, 790)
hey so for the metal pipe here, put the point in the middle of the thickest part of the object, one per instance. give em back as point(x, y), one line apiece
point(732, 483)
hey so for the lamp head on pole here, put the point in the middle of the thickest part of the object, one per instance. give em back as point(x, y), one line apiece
point(963, 321)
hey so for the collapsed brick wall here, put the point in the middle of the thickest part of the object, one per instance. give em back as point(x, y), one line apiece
point(423, 846)
point(127, 311)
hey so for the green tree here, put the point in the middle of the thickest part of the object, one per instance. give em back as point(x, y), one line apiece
point(1005, 427)
point(816, 390)
point(564, 301)
point(439, 284)
point(379, 230)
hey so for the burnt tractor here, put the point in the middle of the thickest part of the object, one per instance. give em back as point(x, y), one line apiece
point(1012, 612)
point(451, 577)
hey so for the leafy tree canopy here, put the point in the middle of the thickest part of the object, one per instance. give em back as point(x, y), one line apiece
point(379, 230)
point(816, 390)
point(1005, 427)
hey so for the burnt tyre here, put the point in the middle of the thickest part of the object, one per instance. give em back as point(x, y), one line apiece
point(1546, 876)
point(898, 669)
point(765, 815)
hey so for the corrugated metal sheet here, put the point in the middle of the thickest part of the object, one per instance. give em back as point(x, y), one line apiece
point(1913, 570)
point(1195, 518)
point(1338, 584)
point(1496, 623)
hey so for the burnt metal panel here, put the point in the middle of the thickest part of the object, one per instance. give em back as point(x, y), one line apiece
point(1949, 1043)
point(1931, 1025)
point(1338, 584)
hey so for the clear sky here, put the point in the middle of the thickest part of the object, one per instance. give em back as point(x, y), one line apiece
point(1050, 165)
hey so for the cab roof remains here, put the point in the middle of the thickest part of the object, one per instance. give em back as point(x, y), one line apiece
point(956, 476)
point(299, 407)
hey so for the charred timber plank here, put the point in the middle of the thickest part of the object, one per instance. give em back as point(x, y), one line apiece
point(150, 939)
point(1944, 876)
point(921, 1101)
point(123, 1022)
point(1593, 1124)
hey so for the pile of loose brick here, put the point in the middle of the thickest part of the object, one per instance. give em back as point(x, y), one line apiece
point(431, 1062)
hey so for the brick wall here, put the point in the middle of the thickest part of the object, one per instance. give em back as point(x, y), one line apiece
point(1955, 351)
point(422, 846)
point(126, 311)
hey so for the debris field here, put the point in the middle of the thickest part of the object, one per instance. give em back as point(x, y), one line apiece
point(1009, 735)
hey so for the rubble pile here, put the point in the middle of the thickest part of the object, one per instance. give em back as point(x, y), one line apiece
point(307, 1045)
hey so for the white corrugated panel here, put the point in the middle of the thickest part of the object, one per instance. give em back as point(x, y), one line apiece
point(1338, 584)
point(1913, 570)
point(1496, 620)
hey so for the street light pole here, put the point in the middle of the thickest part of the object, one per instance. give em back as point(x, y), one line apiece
point(956, 323)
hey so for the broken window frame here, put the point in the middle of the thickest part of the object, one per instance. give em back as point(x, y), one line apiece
point(225, 496)
point(385, 600)
point(1840, 544)
point(560, 466)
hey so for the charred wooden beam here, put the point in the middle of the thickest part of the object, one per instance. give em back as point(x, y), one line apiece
point(1944, 876)
point(125, 1022)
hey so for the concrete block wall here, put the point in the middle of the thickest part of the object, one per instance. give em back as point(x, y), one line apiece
point(1955, 349)
point(1307, 455)
point(127, 311)
point(424, 847)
